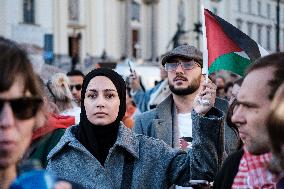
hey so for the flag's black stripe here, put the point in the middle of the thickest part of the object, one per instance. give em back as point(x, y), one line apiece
point(240, 38)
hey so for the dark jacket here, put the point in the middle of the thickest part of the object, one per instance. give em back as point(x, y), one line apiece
point(226, 175)
point(40, 148)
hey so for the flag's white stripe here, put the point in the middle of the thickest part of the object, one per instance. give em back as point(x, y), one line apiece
point(205, 50)
point(262, 51)
point(242, 54)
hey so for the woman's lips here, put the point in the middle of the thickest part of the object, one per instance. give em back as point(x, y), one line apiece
point(100, 113)
point(7, 145)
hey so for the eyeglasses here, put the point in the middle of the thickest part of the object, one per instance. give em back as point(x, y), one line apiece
point(189, 65)
point(24, 107)
point(78, 87)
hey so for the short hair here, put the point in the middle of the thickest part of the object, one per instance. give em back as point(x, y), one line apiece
point(239, 81)
point(275, 126)
point(75, 73)
point(14, 64)
point(276, 61)
point(227, 86)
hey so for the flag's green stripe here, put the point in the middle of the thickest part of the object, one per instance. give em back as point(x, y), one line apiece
point(231, 62)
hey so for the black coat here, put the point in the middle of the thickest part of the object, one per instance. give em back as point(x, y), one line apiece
point(226, 175)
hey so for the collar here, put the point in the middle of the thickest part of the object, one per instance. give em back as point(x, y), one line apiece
point(126, 139)
point(164, 108)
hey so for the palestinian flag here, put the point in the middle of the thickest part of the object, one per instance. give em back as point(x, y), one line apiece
point(228, 47)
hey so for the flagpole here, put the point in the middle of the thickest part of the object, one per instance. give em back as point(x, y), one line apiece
point(205, 50)
point(205, 54)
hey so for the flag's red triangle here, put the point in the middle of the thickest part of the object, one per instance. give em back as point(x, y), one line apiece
point(218, 43)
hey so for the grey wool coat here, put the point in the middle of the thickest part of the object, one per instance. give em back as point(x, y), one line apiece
point(155, 164)
point(161, 123)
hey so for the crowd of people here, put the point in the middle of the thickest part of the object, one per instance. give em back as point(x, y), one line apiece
point(100, 131)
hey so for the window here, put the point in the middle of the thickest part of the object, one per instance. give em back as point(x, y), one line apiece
point(135, 11)
point(249, 7)
point(259, 28)
point(249, 24)
point(73, 10)
point(268, 10)
point(268, 31)
point(259, 8)
point(239, 24)
point(29, 11)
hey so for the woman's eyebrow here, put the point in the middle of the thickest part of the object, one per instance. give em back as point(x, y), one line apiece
point(92, 90)
point(110, 90)
point(106, 90)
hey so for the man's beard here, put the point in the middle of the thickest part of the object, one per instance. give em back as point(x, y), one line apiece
point(190, 89)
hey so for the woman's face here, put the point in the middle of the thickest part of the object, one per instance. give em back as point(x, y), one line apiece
point(15, 133)
point(101, 101)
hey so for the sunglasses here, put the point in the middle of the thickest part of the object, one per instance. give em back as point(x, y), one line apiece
point(188, 65)
point(24, 107)
point(77, 87)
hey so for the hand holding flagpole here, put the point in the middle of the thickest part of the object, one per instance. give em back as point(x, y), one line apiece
point(205, 55)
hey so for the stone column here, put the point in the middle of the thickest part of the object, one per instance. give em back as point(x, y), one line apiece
point(127, 29)
point(154, 23)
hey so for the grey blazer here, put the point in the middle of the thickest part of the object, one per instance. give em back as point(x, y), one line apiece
point(161, 123)
point(156, 165)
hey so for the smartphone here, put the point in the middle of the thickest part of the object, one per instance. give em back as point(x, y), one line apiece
point(131, 67)
point(130, 64)
point(199, 183)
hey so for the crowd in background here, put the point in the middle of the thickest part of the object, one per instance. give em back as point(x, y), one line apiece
point(99, 131)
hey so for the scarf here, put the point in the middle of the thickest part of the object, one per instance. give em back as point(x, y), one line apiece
point(253, 172)
point(54, 121)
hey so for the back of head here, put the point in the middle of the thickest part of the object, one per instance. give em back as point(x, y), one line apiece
point(15, 64)
point(59, 89)
point(275, 61)
point(239, 81)
point(275, 126)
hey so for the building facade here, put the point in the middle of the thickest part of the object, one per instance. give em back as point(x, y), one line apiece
point(73, 31)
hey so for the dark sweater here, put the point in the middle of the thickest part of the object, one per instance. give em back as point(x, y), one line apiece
point(226, 175)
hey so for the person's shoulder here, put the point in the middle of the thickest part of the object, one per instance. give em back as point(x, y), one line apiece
point(68, 136)
point(148, 115)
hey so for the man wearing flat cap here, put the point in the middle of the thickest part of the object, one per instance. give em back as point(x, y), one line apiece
point(183, 119)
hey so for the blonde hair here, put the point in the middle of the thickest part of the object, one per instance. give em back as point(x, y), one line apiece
point(58, 86)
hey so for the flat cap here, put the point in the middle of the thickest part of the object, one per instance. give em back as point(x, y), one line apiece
point(184, 51)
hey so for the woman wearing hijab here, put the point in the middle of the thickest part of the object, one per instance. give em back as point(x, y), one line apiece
point(101, 152)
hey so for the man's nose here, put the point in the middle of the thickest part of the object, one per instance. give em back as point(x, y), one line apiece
point(179, 68)
point(73, 90)
point(237, 117)
point(6, 116)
